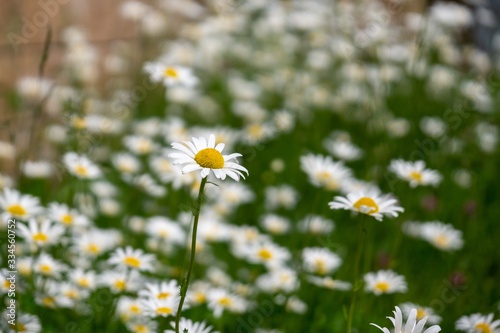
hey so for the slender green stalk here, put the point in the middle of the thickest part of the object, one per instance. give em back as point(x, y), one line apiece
point(185, 282)
point(355, 281)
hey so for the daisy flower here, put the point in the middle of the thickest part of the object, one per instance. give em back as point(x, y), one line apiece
point(160, 307)
point(143, 326)
point(128, 308)
point(84, 280)
point(411, 326)
point(281, 279)
point(205, 156)
point(170, 75)
point(415, 173)
point(220, 299)
point(130, 258)
point(281, 196)
point(320, 260)
point(442, 236)
point(186, 325)
point(343, 150)
point(41, 234)
point(384, 282)
point(274, 224)
point(324, 172)
point(422, 312)
point(165, 230)
point(373, 205)
point(17, 205)
point(478, 323)
point(96, 241)
point(121, 280)
point(126, 163)
point(162, 290)
point(62, 214)
point(329, 283)
point(80, 166)
point(25, 323)
point(316, 225)
point(47, 266)
point(267, 253)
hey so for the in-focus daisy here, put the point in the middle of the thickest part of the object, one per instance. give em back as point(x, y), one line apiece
point(373, 205)
point(21, 206)
point(384, 282)
point(130, 258)
point(422, 312)
point(80, 166)
point(170, 75)
point(478, 323)
point(41, 234)
point(442, 236)
point(415, 173)
point(320, 260)
point(205, 156)
point(411, 326)
point(186, 325)
point(324, 172)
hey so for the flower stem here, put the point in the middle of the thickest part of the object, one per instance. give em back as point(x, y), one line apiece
point(185, 282)
point(355, 281)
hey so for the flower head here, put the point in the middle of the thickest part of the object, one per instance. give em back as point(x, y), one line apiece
point(370, 204)
point(205, 156)
point(415, 173)
point(170, 75)
point(411, 326)
point(478, 323)
point(384, 282)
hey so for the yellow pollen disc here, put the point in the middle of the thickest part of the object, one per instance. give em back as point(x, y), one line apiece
point(79, 123)
point(323, 176)
point(45, 268)
point(48, 301)
point(93, 248)
point(209, 158)
point(80, 170)
point(131, 261)
point(20, 327)
point(265, 254)
point(6, 284)
point(134, 308)
point(16, 210)
point(67, 219)
point(40, 237)
point(442, 241)
point(368, 202)
point(171, 72)
point(140, 329)
point(483, 328)
point(200, 297)
point(163, 295)
point(320, 266)
point(256, 131)
point(83, 282)
point(225, 301)
point(421, 313)
point(163, 311)
point(382, 286)
point(416, 176)
point(120, 285)
point(71, 294)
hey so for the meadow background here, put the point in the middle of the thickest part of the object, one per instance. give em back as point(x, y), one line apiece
point(275, 80)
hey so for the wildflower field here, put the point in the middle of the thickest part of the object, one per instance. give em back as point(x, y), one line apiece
point(256, 166)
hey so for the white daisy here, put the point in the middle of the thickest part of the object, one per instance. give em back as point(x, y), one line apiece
point(80, 166)
point(373, 205)
point(160, 307)
point(432, 317)
point(41, 234)
point(186, 325)
point(478, 323)
point(47, 266)
point(25, 323)
point(66, 216)
point(411, 326)
point(329, 283)
point(384, 282)
point(415, 173)
point(315, 224)
point(120, 281)
point(281, 279)
point(205, 156)
point(161, 290)
point(170, 75)
point(343, 150)
point(320, 260)
point(220, 299)
point(324, 172)
point(442, 236)
point(17, 205)
point(130, 258)
point(267, 253)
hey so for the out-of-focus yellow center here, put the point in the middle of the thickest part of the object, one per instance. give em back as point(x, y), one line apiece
point(483, 328)
point(421, 313)
point(40, 237)
point(225, 301)
point(209, 158)
point(72, 294)
point(171, 72)
point(367, 202)
point(163, 295)
point(320, 266)
point(132, 262)
point(48, 301)
point(80, 170)
point(83, 282)
point(16, 210)
point(265, 254)
point(79, 123)
point(255, 131)
point(416, 176)
point(134, 308)
point(200, 297)
point(382, 286)
point(93, 248)
point(120, 285)
point(67, 219)
point(164, 310)
point(442, 241)
point(140, 329)
point(45, 268)
point(6, 284)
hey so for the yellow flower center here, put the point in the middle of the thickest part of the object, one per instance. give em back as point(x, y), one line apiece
point(171, 72)
point(48, 301)
point(140, 329)
point(367, 202)
point(40, 237)
point(134, 308)
point(382, 286)
point(79, 123)
point(120, 285)
point(225, 301)
point(163, 310)
point(255, 131)
point(16, 210)
point(416, 176)
point(132, 262)
point(265, 254)
point(163, 295)
point(45, 268)
point(93, 248)
point(421, 313)
point(71, 294)
point(442, 241)
point(209, 158)
point(67, 219)
point(483, 328)
point(80, 170)
point(200, 297)
point(83, 282)
point(20, 328)
point(6, 284)
point(320, 266)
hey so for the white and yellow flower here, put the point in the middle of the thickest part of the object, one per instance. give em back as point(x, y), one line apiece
point(384, 282)
point(320, 260)
point(205, 156)
point(186, 325)
point(17, 205)
point(130, 258)
point(411, 326)
point(324, 172)
point(41, 234)
point(375, 205)
point(80, 166)
point(478, 323)
point(415, 173)
point(170, 75)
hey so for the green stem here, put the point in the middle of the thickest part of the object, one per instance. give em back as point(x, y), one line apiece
point(185, 283)
point(355, 284)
